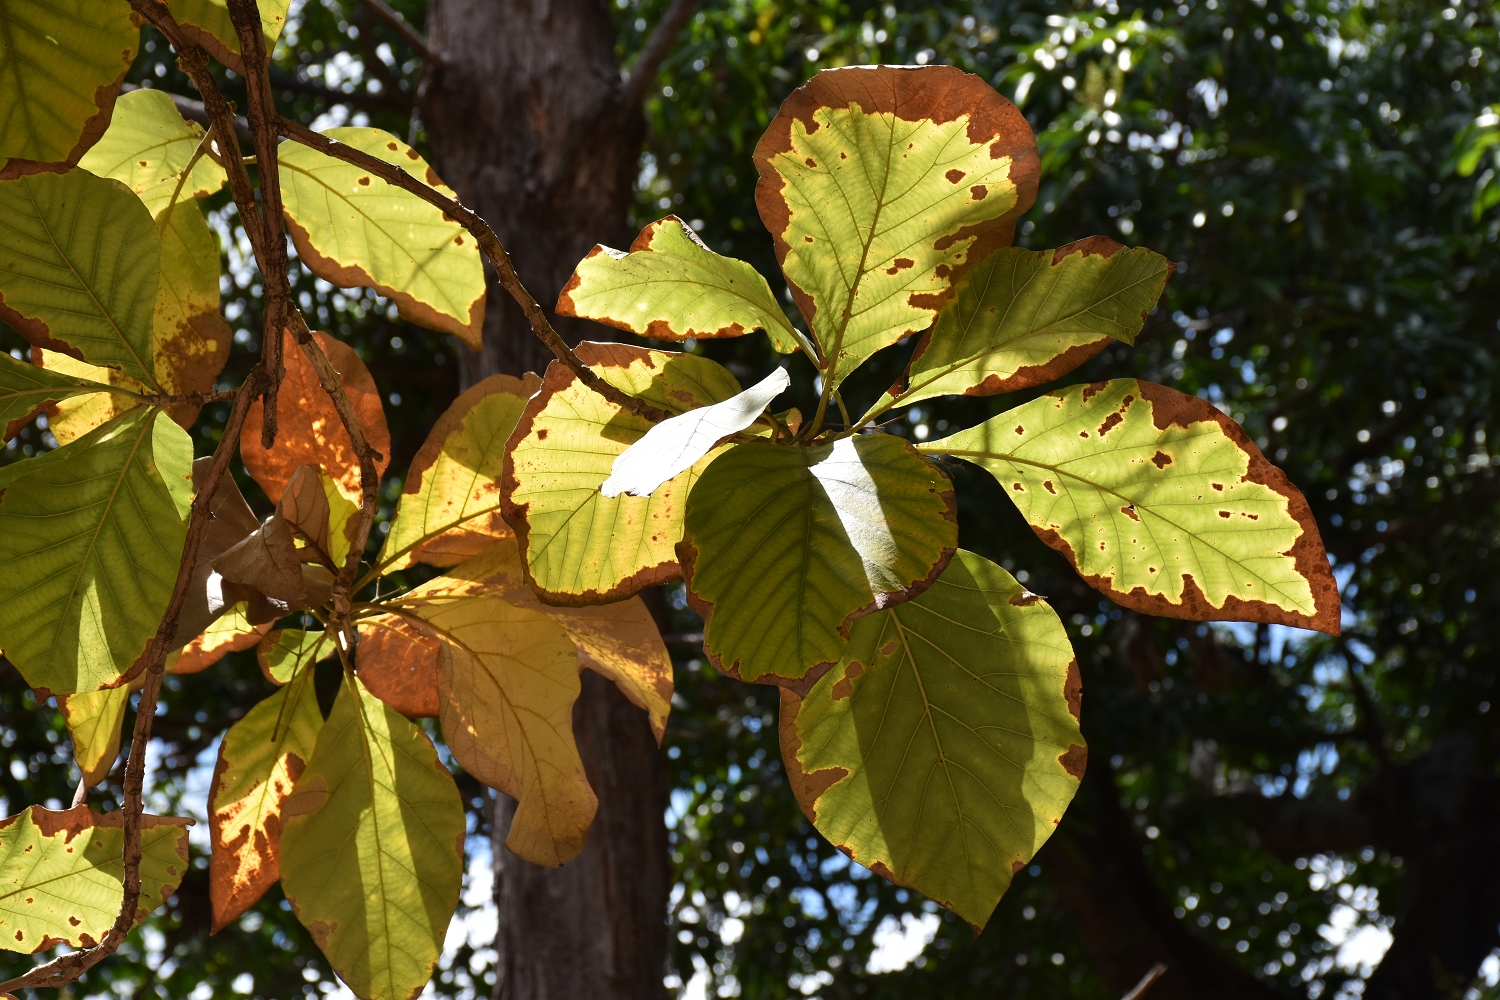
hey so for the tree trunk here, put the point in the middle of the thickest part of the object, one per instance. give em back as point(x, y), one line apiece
point(528, 124)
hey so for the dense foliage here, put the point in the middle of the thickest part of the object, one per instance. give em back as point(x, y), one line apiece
point(1309, 169)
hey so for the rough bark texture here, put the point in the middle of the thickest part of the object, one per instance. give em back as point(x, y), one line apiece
point(595, 927)
point(527, 124)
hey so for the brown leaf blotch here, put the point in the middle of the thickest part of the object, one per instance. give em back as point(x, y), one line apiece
point(1075, 761)
point(1161, 460)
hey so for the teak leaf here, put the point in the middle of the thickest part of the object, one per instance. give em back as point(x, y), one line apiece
point(1020, 318)
point(79, 267)
point(25, 388)
point(579, 546)
point(678, 443)
point(785, 545)
point(943, 748)
point(284, 653)
point(207, 22)
point(147, 147)
point(260, 759)
point(231, 521)
point(94, 720)
point(450, 506)
point(510, 678)
point(619, 640)
point(71, 419)
point(1161, 502)
point(671, 286)
point(880, 185)
point(61, 66)
point(320, 516)
point(62, 879)
point(355, 230)
point(309, 429)
point(230, 632)
point(372, 847)
point(399, 664)
point(91, 538)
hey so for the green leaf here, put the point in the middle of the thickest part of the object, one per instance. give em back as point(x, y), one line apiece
point(678, 443)
point(372, 847)
point(70, 419)
point(943, 748)
point(510, 678)
point(1161, 502)
point(91, 539)
point(1024, 317)
point(671, 286)
point(147, 147)
point(24, 388)
point(94, 721)
point(881, 185)
point(784, 546)
point(78, 268)
point(579, 546)
point(189, 339)
point(355, 230)
point(284, 652)
point(260, 759)
point(61, 66)
point(207, 22)
point(450, 506)
point(63, 876)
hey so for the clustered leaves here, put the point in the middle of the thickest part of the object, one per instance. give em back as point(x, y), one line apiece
point(930, 703)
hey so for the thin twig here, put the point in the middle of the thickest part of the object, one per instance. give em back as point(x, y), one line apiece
point(413, 37)
point(489, 245)
point(654, 52)
point(66, 968)
point(1147, 981)
point(389, 99)
point(273, 258)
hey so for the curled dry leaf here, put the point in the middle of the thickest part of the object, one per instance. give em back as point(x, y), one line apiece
point(309, 431)
point(320, 516)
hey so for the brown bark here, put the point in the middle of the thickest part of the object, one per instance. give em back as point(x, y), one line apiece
point(528, 121)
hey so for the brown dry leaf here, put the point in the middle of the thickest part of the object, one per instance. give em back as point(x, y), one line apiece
point(308, 428)
point(268, 561)
point(320, 515)
point(232, 521)
point(398, 664)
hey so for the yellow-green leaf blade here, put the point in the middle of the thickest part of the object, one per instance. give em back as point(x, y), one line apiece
point(354, 229)
point(578, 546)
point(61, 66)
point(260, 759)
point(94, 720)
point(372, 847)
point(783, 546)
point(24, 388)
point(207, 22)
point(147, 147)
point(63, 875)
point(671, 286)
point(450, 506)
point(944, 746)
point(880, 186)
point(1161, 502)
point(1020, 318)
point(91, 540)
point(78, 268)
point(284, 653)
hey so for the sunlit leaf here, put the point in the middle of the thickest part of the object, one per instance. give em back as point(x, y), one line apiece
point(62, 879)
point(207, 23)
point(942, 749)
point(230, 632)
point(320, 516)
point(372, 848)
point(94, 720)
point(784, 546)
point(671, 286)
point(260, 759)
point(355, 230)
point(25, 388)
point(309, 430)
point(450, 507)
point(78, 268)
point(1161, 502)
point(91, 540)
point(678, 443)
point(284, 653)
point(147, 147)
point(61, 66)
point(579, 546)
point(1024, 317)
point(880, 185)
point(399, 664)
point(70, 419)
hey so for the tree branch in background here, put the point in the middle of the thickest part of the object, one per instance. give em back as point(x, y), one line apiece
point(653, 53)
point(272, 260)
point(490, 245)
point(389, 99)
point(413, 37)
point(1147, 981)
